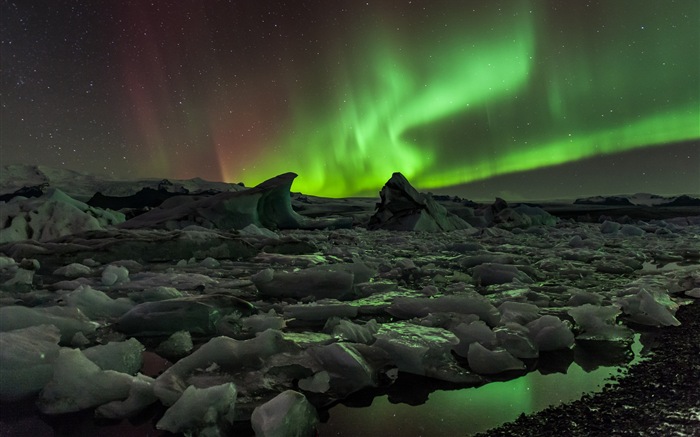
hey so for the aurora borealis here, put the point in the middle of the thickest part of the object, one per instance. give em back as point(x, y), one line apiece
point(344, 93)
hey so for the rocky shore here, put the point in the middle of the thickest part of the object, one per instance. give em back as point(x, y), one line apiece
point(658, 397)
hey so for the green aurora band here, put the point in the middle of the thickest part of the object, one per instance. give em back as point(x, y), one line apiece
point(464, 97)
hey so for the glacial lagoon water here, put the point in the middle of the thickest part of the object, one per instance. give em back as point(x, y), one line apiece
point(467, 411)
point(411, 407)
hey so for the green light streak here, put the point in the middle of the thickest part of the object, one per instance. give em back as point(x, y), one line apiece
point(464, 99)
point(362, 140)
point(658, 129)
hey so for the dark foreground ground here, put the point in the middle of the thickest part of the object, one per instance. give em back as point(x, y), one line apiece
point(658, 397)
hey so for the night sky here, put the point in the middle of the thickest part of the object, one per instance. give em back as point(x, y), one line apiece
point(531, 98)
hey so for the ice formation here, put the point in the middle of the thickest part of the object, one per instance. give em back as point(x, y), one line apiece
point(201, 411)
point(242, 308)
point(53, 215)
point(26, 360)
point(288, 414)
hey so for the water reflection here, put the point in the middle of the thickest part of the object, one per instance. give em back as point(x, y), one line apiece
point(412, 406)
point(416, 406)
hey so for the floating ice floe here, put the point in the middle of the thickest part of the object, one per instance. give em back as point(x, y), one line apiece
point(550, 333)
point(78, 384)
point(649, 308)
point(492, 273)
point(201, 411)
point(468, 333)
point(95, 304)
point(599, 323)
point(140, 397)
point(469, 303)
point(225, 355)
point(68, 320)
point(26, 360)
point(120, 356)
point(320, 311)
point(196, 314)
point(422, 350)
point(288, 414)
point(328, 281)
point(489, 362)
point(516, 340)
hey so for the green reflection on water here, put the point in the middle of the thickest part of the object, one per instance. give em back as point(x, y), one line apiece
point(471, 410)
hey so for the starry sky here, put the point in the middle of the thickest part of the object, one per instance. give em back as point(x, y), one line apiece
point(534, 99)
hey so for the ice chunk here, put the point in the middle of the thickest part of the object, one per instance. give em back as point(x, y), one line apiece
point(650, 308)
point(346, 330)
point(22, 278)
point(469, 333)
point(68, 320)
point(26, 360)
point(140, 396)
point(197, 314)
point(177, 345)
point(228, 354)
point(262, 322)
point(78, 383)
point(74, 270)
point(421, 350)
point(253, 231)
point(598, 323)
point(632, 231)
point(96, 304)
point(550, 333)
point(514, 338)
point(471, 303)
point(115, 275)
point(414, 346)
point(154, 294)
point(210, 263)
point(320, 311)
point(493, 273)
point(202, 411)
point(613, 266)
point(537, 215)
point(491, 362)
point(6, 261)
point(608, 227)
point(327, 281)
point(347, 368)
point(518, 312)
point(288, 414)
point(485, 257)
point(120, 356)
point(582, 297)
point(318, 383)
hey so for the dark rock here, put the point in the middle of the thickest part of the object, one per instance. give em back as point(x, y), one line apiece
point(27, 192)
point(499, 205)
point(403, 208)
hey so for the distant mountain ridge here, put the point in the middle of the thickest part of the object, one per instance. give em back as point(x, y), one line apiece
point(83, 186)
point(639, 199)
